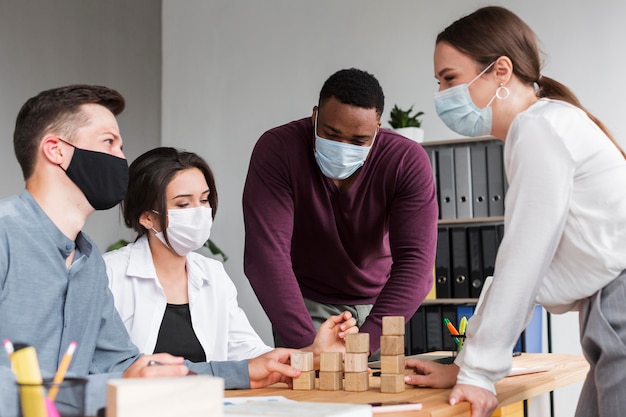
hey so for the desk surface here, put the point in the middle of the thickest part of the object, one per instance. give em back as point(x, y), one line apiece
point(567, 369)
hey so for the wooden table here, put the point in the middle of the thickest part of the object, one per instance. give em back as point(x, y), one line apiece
point(567, 369)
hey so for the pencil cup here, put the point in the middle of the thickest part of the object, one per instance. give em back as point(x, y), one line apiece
point(49, 399)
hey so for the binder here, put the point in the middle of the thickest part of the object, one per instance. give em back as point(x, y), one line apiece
point(448, 311)
point(480, 197)
point(475, 253)
point(490, 248)
point(533, 332)
point(466, 310)
point(445, 173)
point(463, 182)
point(407, 338)
point(432, 155)
point(495, 181)
point(434, 328)
point(460, 267)
point(418, 332)
point(442, 264)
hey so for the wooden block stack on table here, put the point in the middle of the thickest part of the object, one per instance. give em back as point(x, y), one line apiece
point(392, 355)
point(355, 363)
point(331, 371)
point(304, 362)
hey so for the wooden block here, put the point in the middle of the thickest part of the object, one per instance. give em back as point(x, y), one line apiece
point(391, 345)
point(356, 381)
point(355, 362)
point(306, 381)
point(331, 361)
point(393, 326)
point(193, 396)
point(358, 343)
point(392, 364)
point(331, 381)
point(302, 361)
point(392, 383)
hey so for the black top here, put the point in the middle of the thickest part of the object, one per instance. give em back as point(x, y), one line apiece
point(176, 335)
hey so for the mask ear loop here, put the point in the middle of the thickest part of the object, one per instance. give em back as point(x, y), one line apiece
point(502, 93)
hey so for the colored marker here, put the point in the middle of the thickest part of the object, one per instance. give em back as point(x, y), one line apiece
point(60, 374)
point(463, 325)
point(453, 331)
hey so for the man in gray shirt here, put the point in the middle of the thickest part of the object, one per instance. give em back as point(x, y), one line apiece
point(53, 284)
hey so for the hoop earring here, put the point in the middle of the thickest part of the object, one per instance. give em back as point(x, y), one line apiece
point(502, 92)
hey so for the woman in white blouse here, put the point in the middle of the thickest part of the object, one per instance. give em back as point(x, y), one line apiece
point(564, 244)
point(170, 298)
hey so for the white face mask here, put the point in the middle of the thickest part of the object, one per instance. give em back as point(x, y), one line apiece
point(187, 229)
point(338, 160)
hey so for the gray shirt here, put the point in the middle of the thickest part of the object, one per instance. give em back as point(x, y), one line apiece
point(46, 305)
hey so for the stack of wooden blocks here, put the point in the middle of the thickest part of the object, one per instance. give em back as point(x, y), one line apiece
point(331, 371)
point(304, 362)
point(355, 363)
point(392, 355)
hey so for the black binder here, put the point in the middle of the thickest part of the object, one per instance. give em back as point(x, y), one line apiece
point(449, 311)
point(443, 287)
point(418, 332)
point(460, 266)
point(434, 328)
point(476, 274)
point(490, 248)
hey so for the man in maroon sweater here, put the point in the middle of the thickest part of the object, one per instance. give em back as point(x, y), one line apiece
point(339, 214)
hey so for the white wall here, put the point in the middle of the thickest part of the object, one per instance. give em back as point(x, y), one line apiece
point(47, 44)
point(234, 68)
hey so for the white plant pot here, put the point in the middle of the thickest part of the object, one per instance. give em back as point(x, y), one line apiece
point(414, 133)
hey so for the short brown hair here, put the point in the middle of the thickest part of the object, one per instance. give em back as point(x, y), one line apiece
point(57, 110)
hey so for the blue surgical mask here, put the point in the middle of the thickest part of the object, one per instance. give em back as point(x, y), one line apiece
point(338, 160)
point(457, 110)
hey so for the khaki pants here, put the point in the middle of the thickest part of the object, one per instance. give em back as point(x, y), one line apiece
point(320, 312)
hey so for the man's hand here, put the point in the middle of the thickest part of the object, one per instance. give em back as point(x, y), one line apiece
point(483, 401)
point(331, 336)
point(431, 374)
point(168, 365)
point(272, 367)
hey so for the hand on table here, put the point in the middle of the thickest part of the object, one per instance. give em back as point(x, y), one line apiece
point(168, 366)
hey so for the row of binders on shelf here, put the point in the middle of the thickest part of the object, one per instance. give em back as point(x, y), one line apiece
point(427, 332)
point(470, 179)
point(465, 256)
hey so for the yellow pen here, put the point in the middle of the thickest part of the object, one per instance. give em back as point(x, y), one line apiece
point(60, 374)
point(462, 327)
point(26, 367)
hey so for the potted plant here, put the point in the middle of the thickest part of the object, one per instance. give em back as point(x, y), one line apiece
point(407, 124)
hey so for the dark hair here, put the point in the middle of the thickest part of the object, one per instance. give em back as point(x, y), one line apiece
point(148, 178)
point(356, 88)
point(492, 32)
point(58, 111)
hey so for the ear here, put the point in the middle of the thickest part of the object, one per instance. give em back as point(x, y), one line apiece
point(503, 69)
point(54, 150)
point(146, 220)
point(314, 114)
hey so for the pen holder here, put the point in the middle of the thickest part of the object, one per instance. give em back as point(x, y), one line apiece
point(69, 398)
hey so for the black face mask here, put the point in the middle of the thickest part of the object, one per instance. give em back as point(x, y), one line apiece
point(103, 178)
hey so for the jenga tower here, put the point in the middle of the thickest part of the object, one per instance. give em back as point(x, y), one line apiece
point(355, 363)
point(331, 371)
point(392, 355)
point(304, 362)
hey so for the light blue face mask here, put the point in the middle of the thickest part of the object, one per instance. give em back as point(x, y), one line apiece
point(457, 110)
point(338, 160)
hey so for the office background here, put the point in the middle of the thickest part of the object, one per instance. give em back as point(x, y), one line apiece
point(210, 76)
